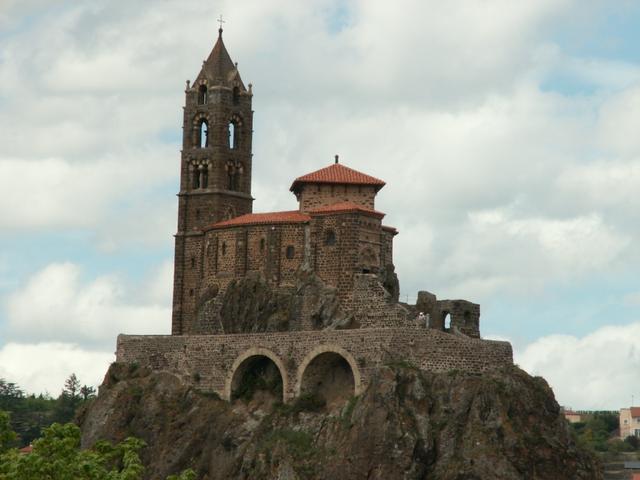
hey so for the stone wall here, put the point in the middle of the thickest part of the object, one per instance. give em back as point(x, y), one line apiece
point(373, 306)
point(210, 361)
point(313, 196)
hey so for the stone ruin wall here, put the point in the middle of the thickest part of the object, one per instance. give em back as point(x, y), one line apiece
point(209, 361)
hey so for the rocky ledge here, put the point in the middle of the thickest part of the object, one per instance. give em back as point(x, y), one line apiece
point(408, 424)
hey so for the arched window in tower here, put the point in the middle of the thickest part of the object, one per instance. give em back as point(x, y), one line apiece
point(204, 176)
point(234, 172)
point(236, 95)
point(233, 139)
point(195, 177)
point(203, 134)
point(202, 95)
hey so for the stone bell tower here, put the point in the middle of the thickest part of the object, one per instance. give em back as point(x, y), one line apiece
point(215, 170)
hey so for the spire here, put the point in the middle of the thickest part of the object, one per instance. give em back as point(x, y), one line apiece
point(218, 68)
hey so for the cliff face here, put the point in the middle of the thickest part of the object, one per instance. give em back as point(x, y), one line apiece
point(407, 425)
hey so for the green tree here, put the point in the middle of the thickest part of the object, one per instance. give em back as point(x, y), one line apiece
point(633, 441)
point(7, 435)
point(57, 456)
point(87, 392)
point(69, 400)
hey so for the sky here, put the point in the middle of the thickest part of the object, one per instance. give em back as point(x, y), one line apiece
point(507, 133)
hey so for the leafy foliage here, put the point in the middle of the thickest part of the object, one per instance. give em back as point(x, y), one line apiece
point(597, 433)
point(57, 456)
point(7, 436)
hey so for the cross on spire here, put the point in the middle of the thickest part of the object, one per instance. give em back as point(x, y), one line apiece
point(220, 22)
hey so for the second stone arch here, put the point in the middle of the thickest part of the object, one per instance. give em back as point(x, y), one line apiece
point(330, 374)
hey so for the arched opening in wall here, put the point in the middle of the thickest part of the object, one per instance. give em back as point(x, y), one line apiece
point(233, 141)
point(330, 237)
point(257, 379)
point(203, 134)
point(446, 320)
point(328, 380)
point(202, 95)
point(236, 95)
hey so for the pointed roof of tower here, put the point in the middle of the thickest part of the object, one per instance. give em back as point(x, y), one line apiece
point(219, 69)
point(337, 174)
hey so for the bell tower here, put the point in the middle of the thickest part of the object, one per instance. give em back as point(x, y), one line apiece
point(215, 170)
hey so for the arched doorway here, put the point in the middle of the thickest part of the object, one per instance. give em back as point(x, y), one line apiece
point(257, 377)
point(330, 378)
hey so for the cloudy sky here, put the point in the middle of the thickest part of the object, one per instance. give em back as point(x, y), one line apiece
point(507, 133)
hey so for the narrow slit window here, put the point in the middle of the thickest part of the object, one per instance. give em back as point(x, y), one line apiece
point(195, 181)
point(330, 238)
point(232, 135)
point(202, 95)
point(290, 252)
point(204, 134)
point(205, 177)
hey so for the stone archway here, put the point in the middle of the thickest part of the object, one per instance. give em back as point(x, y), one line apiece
point(329, 372)
point(258, 358)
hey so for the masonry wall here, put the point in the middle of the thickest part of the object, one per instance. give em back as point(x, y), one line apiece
point(209, 361)
point(313, 196)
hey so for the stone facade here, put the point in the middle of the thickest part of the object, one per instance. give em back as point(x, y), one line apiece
point(308, 290)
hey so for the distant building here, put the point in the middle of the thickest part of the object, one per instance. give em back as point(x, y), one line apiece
point(26, 450)
point(571, 416)
point(629, 422)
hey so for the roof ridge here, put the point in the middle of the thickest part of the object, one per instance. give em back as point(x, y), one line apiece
point(337, 173)
point(286, 216)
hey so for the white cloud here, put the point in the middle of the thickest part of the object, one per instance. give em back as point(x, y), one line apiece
point(501, 251)
point(43, 367)
point(619, 122)
point(597, 371)
point(495, 184)
point(54, 306)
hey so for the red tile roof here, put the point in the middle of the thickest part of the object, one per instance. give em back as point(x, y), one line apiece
point(293, 216)
point(27, 449)
point(337, 174)
point(635, 412)
point(346, 207)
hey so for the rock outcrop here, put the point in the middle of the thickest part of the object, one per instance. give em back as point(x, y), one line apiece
point(408, 424)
